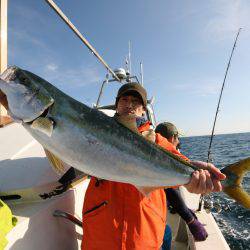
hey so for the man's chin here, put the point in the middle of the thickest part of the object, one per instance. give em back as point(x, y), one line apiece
point(129, 114)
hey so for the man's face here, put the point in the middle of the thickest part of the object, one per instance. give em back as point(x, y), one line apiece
point(176, 140)
point(130, 105)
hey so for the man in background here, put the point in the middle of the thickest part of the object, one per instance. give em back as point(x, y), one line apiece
point(175, 201)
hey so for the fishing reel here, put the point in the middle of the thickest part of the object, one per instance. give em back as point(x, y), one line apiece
point(209, 205)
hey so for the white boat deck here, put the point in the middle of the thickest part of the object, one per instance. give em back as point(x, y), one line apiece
point(182, 237)
point(37, 228)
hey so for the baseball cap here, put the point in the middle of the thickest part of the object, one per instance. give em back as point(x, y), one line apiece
point(167, 129)
point(133, 88)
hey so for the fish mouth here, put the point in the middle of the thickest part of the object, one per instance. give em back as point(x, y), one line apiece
point(23, 100)
point(43, 113)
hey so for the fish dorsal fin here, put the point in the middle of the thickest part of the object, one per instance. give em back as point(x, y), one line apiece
point(128, 121)
point(56, 164)
point(44, 125)
point(233, 184)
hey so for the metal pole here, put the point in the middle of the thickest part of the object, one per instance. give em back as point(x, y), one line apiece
point(3, 45)
point(3, 32)
point(79, 35)
point(68, 216)
point(101, 90)
point(129, 57)
point(141, 73)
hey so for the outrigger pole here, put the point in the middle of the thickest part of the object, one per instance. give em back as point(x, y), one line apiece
point(82, 38)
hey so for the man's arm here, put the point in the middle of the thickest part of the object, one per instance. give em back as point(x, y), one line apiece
point(203, 181)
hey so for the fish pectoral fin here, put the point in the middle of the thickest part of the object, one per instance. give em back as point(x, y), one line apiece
point(56, 164)
point(233, 183)
point(147, 190)
point(144, 190)
point(44, 125)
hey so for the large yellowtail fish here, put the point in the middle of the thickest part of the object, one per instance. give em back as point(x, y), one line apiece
point(96, 144)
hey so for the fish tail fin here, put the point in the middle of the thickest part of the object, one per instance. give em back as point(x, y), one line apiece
point(233, 184)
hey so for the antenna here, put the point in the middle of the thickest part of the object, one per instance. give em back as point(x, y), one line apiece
point(79, 35)
point(129, 57)
point(141, 66)
point(126, 64)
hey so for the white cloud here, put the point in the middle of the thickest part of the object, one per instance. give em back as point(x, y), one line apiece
point(51, 67)
point(228, 16)
point(77, 77)
point(200, 88)
point(83, 75)
point(22, 36)
point(27, 13)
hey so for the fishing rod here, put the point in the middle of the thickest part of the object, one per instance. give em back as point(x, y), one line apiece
point(222, 88)
point(209, 205)
point(82, 38)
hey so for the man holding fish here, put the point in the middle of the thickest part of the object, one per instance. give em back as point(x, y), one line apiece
point(125, 204)
point(118, 215)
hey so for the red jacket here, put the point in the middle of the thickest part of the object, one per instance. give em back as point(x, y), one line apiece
point(117, 216)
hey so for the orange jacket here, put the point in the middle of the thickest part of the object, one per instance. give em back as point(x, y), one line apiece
point(163, 142)
point(117, 216)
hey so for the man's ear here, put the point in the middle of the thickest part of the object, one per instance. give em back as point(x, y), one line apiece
point(171, 139)
point(144, 113)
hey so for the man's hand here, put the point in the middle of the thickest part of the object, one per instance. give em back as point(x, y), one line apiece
point(205, 180)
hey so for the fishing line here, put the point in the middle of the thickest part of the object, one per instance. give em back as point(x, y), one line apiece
point(209, 159)
point(218, 105)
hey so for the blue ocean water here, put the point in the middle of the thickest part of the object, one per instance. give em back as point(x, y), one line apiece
point(233, 220)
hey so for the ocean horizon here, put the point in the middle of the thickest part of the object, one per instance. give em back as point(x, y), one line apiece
point(231, 133)
point(233, 220)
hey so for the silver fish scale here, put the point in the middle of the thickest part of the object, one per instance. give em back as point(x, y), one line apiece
point(98, 145)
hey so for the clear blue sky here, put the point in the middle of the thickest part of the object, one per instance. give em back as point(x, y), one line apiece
point(184, 47)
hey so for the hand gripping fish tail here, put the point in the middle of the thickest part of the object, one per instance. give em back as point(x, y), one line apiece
point(232, 185)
